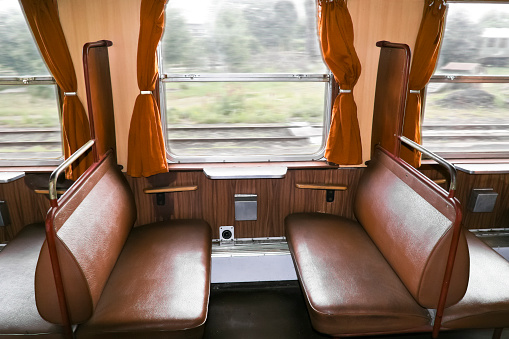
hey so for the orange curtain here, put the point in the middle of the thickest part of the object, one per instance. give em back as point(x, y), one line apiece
point(335, 29)
point(147, 154)
point(42, 16)
point(424, 61)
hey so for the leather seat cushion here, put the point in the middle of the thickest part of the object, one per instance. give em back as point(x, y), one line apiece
point(159, 286)
point(349, 286)
point(486, 302)
point(18, 313)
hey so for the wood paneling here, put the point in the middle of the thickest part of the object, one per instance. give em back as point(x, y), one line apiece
point(118, 21)
point(375, 20)
point(99, 96)
point(25, 207)
point(213, 201)
point(499, 218)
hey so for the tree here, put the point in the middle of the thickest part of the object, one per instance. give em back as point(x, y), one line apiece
point(285, 23)
point(180, 48)
point(232, 39)
point(18, 52)
point(495, 19)
point(462, 40)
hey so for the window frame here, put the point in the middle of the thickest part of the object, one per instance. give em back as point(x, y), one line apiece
point(325, 78)
point(330, 92)
point(471, 79)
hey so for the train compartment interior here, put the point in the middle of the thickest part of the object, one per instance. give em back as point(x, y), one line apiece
point(251, 225)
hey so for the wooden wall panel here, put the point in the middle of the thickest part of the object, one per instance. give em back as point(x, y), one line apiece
point(499, 218)
point(118, 21)
point(375, 20)
point(277, 198)
point(25, 207)
point(214, 199)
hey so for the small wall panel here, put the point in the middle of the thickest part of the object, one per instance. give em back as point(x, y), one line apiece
point(499, 218)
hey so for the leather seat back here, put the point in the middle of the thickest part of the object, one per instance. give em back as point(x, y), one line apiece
point(410, 219)
point(92, 221)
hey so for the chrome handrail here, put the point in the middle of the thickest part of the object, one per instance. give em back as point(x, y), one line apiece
point(54, 175)
point(450, 167)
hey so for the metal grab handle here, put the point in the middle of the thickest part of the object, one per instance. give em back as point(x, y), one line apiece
point(450, 167)
point(54, 176)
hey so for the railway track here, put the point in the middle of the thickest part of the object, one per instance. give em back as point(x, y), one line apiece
point(444, 137)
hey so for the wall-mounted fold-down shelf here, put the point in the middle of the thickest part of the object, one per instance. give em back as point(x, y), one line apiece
point(6, 177)
point(169, 189)
point(328, 188)
point(322, 187)
point(495, 168)
point(246, 172)
point(160, 191)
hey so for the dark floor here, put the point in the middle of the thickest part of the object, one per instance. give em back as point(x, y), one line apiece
point(278, 310)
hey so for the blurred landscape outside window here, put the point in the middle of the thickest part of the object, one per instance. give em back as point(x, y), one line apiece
point(29, 114)
point(467, 101)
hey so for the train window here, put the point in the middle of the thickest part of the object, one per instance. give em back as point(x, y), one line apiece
point(243, 81)
point(29, 114)
point(467, 99)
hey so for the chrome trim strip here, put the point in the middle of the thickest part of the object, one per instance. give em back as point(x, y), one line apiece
point(27, 80)
point(245, 77)
point(470, 78)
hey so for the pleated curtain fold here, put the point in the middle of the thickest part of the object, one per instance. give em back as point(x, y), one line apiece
point(146, 151)
point(425, 57)
point(335, 29)
point(42, 16)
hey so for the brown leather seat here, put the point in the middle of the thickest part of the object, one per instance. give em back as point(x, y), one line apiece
point(382, 273)
point(349, 286)
point(486, 302)
point(119, 281)
point(161, 274)
point(18, 314)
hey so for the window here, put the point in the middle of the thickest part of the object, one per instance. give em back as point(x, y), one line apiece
point(29, 115)
point(467, 101)
point(243, 80)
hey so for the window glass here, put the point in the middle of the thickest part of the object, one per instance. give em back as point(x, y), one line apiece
point(19, 55)
point(466, 111)
point(29, 116)
point(243, 80)
point(241, 36)
point(473, 35)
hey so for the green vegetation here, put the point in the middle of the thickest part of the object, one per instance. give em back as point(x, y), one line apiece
point(28, 107)
point(209, 103)
point(466, 111)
